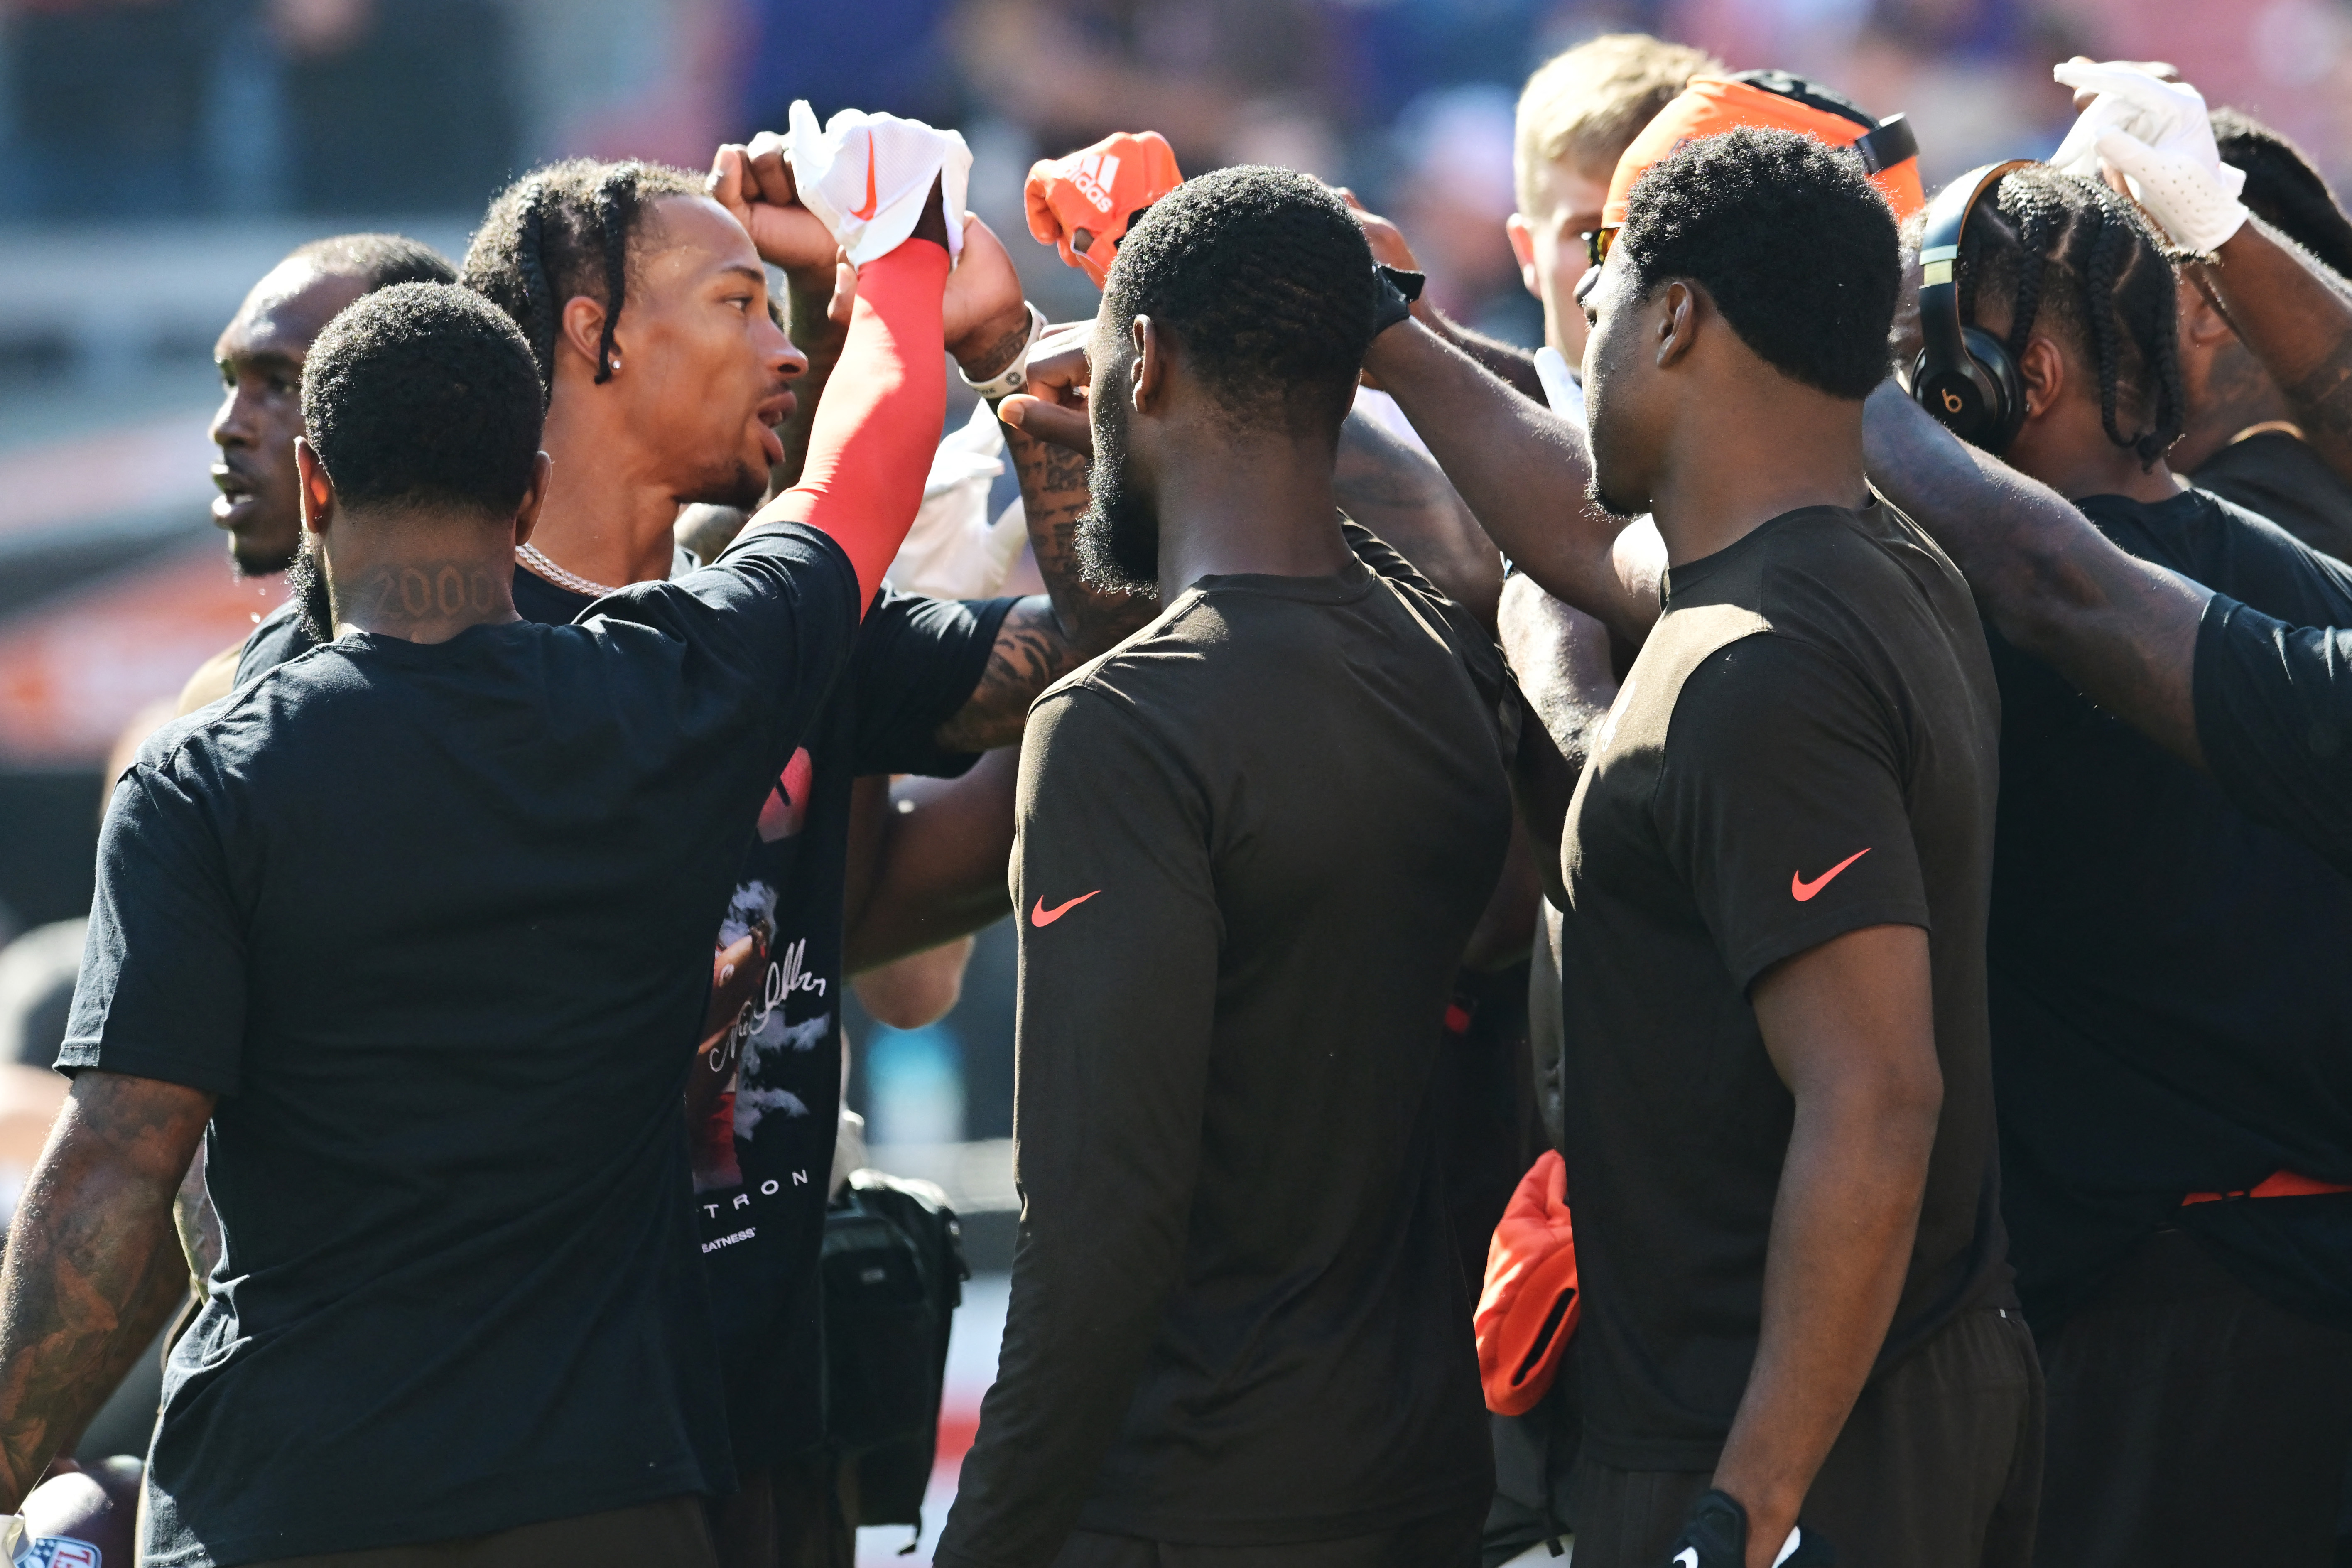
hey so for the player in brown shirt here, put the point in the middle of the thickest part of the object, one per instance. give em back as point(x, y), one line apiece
point(1778, 1088)
point(1254, 840)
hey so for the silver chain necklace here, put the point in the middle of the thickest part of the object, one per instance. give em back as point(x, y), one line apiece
point(535, 559)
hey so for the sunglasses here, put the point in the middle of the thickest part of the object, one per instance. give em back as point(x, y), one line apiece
point(1597, 242)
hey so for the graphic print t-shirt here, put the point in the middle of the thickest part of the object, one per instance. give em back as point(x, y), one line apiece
point(764, 1098)
point(1254, 839)
point(434, 922)
point(2171, 995)
point(1806, 746)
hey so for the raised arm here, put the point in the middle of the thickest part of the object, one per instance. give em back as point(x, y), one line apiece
point(2296, 319)
point(1523, 470)
point(1045, 636)
point(2123, 630)
point(90, 1251)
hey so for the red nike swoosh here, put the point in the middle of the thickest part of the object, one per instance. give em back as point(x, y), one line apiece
point(872, 202)
point(1801, 890)
point(1042, 916)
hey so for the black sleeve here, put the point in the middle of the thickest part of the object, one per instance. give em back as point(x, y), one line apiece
point(162, 993)
point(916, 664)
point(766, 632)
point(281, 636)
point(1781, 801)
point(2274, 718)
point(1119, 933)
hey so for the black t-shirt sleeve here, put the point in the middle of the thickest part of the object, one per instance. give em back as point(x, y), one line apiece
point(162, 993)
point(770, 627)
point(2274, 720)
point(1119, 934)
point(1783, 803)
point(917, 662)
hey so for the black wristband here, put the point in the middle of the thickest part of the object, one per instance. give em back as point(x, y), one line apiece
point(1398, 290)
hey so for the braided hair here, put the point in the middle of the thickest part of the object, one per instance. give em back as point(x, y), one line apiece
point(561, 231)
point(2075, 253)
point(2284, 189)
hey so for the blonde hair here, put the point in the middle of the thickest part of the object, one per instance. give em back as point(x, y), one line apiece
point(1588, 103)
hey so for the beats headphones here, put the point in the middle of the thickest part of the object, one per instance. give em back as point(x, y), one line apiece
point(1963, 377)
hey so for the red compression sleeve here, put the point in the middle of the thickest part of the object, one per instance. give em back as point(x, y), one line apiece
point(871, 443)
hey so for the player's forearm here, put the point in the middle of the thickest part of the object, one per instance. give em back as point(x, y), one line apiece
point(2124, 631)
point(1053, 497)
point(90, 1255)
point(1840, 1240)
point(1037, 645)
point(1511, 362)
point(870, 444)
point(1520, 468)
point(940, 870)
point(2299, 325)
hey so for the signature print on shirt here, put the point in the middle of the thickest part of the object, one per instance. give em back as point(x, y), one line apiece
point(750, 982)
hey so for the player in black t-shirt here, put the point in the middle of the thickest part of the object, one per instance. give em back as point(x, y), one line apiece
point(1777, 1096)
point(2263, 703)
point(2242, 442)
point(405, 927)
point(669, 384)
point(2169, 995)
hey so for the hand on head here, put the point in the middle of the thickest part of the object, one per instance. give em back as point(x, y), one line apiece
point(2150, 135)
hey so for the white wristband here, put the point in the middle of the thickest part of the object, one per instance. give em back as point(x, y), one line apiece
point(1014, 376)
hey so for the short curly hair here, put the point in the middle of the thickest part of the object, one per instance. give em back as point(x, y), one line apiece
point(1790, 241)
point(561, 231)
point(424, 394)
point(1267, 281)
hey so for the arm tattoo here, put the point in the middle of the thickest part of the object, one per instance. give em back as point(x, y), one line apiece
point(89, 1253)
point(1030, 654)
point(1041, 642)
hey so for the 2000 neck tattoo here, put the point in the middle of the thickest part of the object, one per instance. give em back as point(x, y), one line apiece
point(416, 593)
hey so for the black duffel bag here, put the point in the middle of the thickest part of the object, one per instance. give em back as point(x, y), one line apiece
point(893, 1273)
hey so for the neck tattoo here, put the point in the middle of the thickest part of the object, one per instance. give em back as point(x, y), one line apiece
point(535, 560)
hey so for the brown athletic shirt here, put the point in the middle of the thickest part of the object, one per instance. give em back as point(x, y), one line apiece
point(1254, 840)
point(1806, 746)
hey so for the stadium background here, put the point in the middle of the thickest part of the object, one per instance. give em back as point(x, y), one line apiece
point(156, 156)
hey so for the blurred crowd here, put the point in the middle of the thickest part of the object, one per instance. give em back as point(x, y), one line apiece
point(252, 108)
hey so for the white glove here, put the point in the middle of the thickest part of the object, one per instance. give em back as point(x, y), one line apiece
point(15, 1547)
point(866, 176)
point(2158, 136)
point(953, 551)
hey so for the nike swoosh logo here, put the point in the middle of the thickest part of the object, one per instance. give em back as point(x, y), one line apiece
point(872, 202)
point(1042, 916)
point(1802, 890)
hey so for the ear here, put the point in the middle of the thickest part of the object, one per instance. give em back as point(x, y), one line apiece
point(1150, 384)
point(2203, 325)
point(1678, 322)
point(316, 493)
point(526, 516)
point(1523, 246)
point(2042, 370)
point(582, 330)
